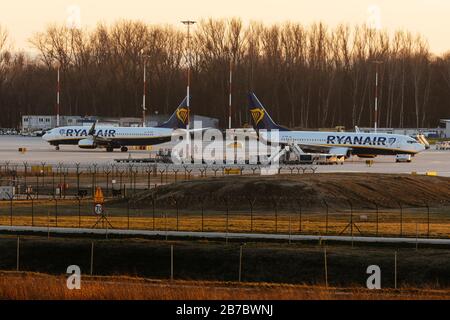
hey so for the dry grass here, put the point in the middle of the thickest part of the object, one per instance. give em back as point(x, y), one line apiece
point(33, 286)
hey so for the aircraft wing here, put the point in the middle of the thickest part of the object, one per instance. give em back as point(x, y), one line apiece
point(181, 132)
point(315, 148)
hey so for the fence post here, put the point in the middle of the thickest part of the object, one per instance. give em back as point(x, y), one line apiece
point(107, 172)
point(32, 211)
point(77, 165)
point(64, 182)
point(53, 183)
point(240, 263)
point(276, 215)
point(226, 220)
point(18, 254)
point(128, 214)
point(326, 266)
point(251, 202)
point(300, 213)
point(351, 219)
point(79, 212)
point(48, 224)
point(165, 222)
point(161, 171)
point(56, 212)
point(176, 208)
point(203, 212)
point(326, 217)
point(376, 206)
point(148, 171)
point(92, 258)
point(290, 228)
point(153, 211)
point(37, 186)
point(11, 198)
point(417, 236)
point(428, 220)
point(171, 262)
point(401, 218)
point(395, 270)
point(25, 168)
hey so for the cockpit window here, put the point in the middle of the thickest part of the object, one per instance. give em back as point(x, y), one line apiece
point(411, 141)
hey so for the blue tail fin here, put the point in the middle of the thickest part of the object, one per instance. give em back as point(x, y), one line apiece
point(259, 116)
point(179, 119)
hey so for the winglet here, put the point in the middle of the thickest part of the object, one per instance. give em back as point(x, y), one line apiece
point(92, 129)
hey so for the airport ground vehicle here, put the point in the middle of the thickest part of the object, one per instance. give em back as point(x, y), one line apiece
point(403, 158)
point(443, 145)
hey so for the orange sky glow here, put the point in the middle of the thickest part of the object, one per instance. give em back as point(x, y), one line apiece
point(23, 18)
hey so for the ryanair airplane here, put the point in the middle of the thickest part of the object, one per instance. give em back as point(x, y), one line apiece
point(365, 145)
point(111, 138)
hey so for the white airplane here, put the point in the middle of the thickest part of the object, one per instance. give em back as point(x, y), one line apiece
point(364, 145)
point(111, 138)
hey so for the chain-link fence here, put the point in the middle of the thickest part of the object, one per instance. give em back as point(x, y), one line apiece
point(240, 215)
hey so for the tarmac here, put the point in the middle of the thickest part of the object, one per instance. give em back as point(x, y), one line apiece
point(39, 151)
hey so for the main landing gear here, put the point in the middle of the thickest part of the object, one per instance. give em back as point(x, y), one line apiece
point(57, 148)
point(109, 149)
point(124, 149)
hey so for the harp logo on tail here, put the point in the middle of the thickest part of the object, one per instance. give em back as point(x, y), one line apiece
point(182, 114)
point(257, 115)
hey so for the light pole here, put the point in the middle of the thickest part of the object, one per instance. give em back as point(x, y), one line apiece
point(229, 98)
point(58, 88)
point(377, 63)
point(188, 23)
point(144, 108)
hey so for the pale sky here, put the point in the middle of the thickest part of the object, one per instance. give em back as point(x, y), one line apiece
point(431, 18)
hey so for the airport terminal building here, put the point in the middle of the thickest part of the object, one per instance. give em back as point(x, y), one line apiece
point(31, 123)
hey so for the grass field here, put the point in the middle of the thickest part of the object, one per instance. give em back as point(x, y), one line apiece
point(26, 286)
point(409, 222)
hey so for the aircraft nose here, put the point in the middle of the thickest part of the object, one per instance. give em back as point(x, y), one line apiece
point(421, 147)
point(45, 136)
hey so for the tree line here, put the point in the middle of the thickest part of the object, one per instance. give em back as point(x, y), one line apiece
point(307, 76)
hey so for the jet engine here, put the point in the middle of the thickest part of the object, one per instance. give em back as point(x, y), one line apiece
point(87, 144)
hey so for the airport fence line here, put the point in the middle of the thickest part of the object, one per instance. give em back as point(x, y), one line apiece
point(238, 214)
point(306, 264)
point(41, 180)
point(61, 196)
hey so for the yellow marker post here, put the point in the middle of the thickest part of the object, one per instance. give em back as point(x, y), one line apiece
point(99, 199)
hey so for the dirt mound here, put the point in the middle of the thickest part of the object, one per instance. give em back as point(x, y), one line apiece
point(312, 190)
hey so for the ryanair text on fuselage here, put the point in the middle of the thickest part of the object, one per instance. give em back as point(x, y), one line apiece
point(360, 140)
point(85, 132)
